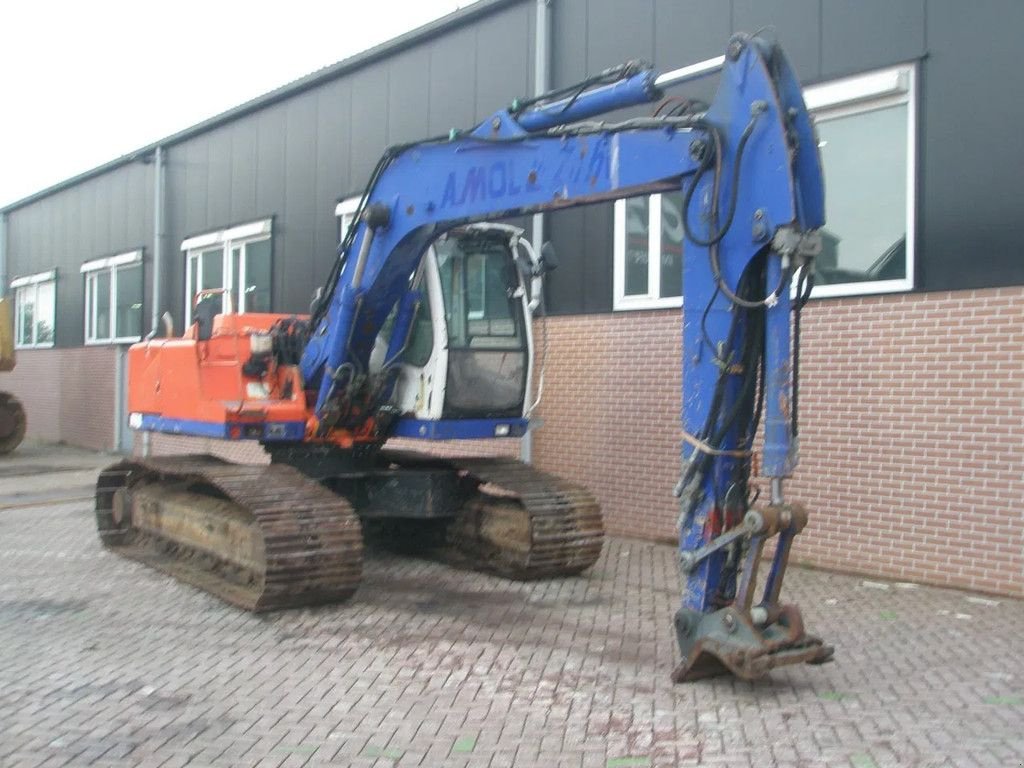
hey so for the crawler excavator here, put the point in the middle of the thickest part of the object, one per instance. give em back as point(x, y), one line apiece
point(422, 330)
point(12, 414)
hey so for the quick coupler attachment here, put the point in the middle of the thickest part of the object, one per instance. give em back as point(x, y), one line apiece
point(748, 641)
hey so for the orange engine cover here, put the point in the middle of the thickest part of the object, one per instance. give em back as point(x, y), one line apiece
point(194, 387)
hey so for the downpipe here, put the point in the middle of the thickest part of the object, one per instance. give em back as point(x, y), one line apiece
point(541, 84)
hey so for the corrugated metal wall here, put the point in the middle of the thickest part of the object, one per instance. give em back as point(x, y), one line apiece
point(110, 214)
point(294, 159)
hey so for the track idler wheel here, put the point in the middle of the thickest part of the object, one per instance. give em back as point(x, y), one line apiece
point(12, 423)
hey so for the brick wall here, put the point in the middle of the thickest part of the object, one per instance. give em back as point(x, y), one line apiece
point(68, 394)
point(912, 431)
point(912, 416)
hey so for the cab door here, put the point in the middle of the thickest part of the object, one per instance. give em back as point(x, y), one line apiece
point(469, 352)
point(420, 387)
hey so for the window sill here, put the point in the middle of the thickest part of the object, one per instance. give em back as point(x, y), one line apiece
point(625, 304)
point(836, 291)
point(34, 346)
point(840, 290)
point(112, 342)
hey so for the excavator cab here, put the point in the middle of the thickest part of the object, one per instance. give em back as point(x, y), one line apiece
point(470, 350)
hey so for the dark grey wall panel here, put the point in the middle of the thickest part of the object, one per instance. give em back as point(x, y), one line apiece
point(99, 217)
point(244, 166)
point(598, 231)
point(102, 211)
point(219, 188)
point(68, 239)
point(687, 31)
point(295, 158)
point(369, 126)
point(84, 198)
point(271, 161)
point(195, 157)
point(172, 276)
point(504, 60)
point(565, 230)
point(296, 218)
point(332, 175)
point(452, 89)
point(617, 32)
point(857, 35)
point(797, 26)
point(138, 206)
point(408, 96)
point(118, 205)
point(332, 171)
point(568, 42)
point(971, 153)
point(583, 280)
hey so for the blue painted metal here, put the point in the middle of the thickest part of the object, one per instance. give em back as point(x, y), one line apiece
point(269, 431)
point(434, 187)
point(505, 168)
point(191, 427)
point(638, 89)
point(459, 429)
point(779, 458)
point(785, 194)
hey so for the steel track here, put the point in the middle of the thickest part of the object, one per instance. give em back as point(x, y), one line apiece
point(560, 522)
point(311, 539)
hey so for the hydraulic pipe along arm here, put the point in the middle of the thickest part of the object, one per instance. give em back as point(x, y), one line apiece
point(750, 174)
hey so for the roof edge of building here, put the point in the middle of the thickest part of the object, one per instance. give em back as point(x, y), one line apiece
point(390, 47)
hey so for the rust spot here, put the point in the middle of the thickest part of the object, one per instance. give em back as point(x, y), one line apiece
point(531, 177)
point(784, 406)
point(410, 210)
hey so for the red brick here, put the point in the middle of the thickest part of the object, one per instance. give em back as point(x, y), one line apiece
point(912, 408)
point(68, 394)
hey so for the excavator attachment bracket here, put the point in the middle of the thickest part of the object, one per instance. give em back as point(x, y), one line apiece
point(728, 641)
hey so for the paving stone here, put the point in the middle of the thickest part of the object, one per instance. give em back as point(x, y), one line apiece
point(103, 662)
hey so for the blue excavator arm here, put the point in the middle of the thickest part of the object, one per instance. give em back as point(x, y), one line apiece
point(750, 175)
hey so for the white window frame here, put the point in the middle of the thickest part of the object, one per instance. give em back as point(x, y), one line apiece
point(844, 97)
point(22, 285)
point(225, 240)
point(91, 270)
point(855, 95)
point(652, 299)
point(345, 210)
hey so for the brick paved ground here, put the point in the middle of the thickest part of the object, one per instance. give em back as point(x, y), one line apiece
point(105, 663)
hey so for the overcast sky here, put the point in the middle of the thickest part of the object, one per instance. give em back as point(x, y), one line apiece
point(85, 82)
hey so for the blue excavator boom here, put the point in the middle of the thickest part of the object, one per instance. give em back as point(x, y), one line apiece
point(750, 175)
point(395, 345)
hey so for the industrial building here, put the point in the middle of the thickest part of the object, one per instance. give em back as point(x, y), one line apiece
point(912, 383)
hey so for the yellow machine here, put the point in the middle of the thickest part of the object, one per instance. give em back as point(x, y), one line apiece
point(12, 415)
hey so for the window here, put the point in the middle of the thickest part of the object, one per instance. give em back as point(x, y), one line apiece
point(113, 299)
point(237, 260)
point(486, 329)
point(480, 310)
point(649, 251)
point(35, 306)
point(866, 126)
point(866, 133)
point(346, 213)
